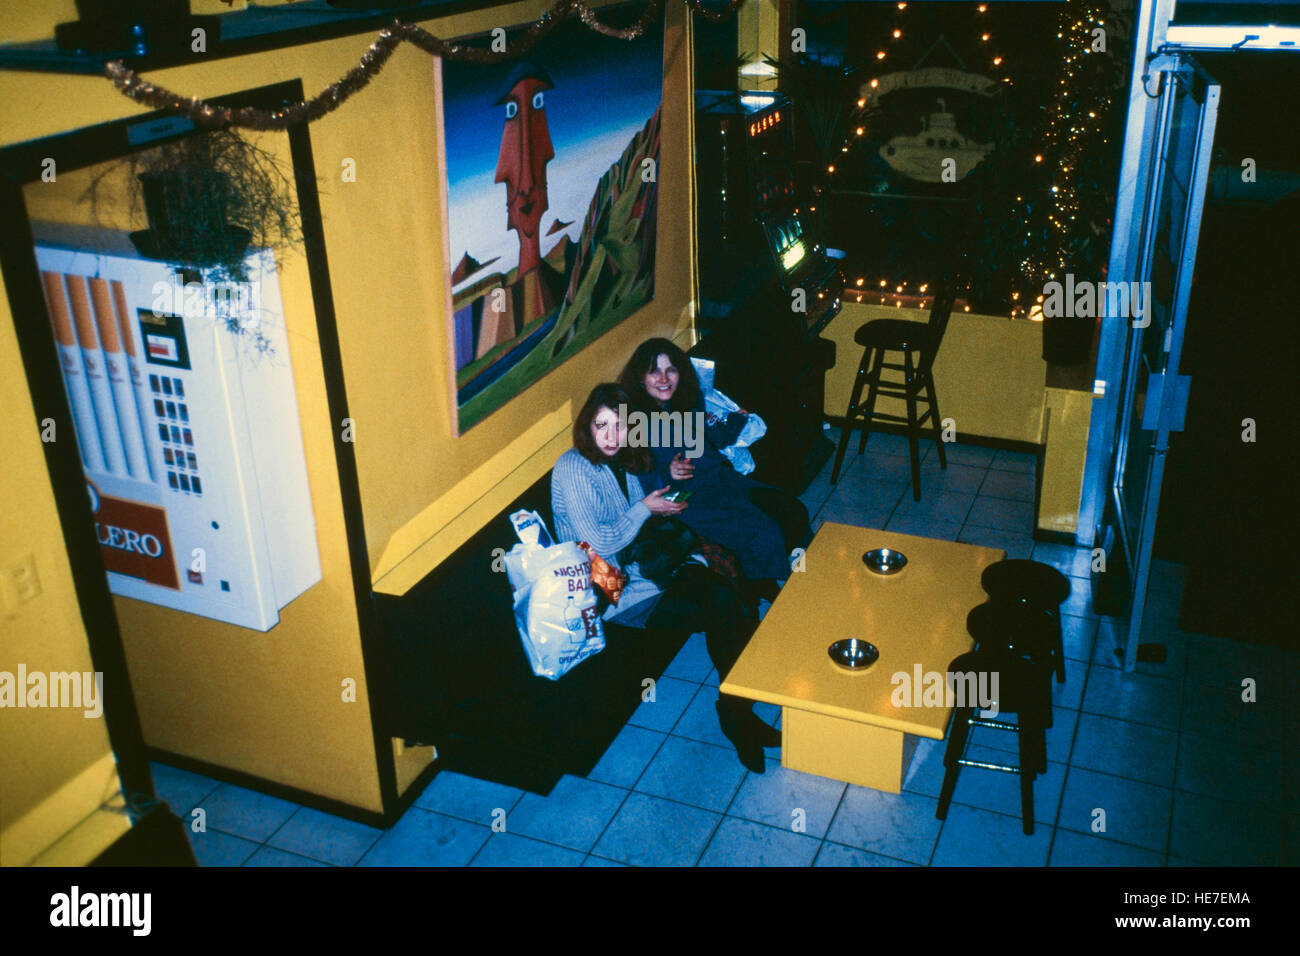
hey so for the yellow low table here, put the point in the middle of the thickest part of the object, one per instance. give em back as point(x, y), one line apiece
point(847, 724)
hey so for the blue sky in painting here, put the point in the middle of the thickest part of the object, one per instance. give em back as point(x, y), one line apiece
point(605, 90)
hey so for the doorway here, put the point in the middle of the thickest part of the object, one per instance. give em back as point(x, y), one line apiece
point(1226, 512)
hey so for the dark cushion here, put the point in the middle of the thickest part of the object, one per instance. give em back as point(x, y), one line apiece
point(459, 678)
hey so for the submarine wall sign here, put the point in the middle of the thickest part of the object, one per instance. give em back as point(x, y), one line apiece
point(922, 156)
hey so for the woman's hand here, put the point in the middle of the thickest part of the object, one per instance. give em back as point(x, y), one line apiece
point(680, 469)
point(659, 505)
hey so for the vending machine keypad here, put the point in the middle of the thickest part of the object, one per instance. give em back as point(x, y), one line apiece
point(177, 441)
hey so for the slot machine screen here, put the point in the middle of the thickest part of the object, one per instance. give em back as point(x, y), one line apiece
point(788, 244)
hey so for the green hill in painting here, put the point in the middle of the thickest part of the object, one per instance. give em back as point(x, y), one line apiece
point(612, 273)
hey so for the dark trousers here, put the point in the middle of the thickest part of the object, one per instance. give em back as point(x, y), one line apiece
point(787, 511)
point(697, 599)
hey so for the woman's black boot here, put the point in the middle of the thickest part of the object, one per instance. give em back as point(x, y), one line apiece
point(753, 591)
point(737, 722)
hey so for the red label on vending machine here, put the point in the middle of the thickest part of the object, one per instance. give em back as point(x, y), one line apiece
point(133, 539)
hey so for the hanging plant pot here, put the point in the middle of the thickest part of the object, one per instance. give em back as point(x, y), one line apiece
point(207, 199)
point(187, 222)
point(1067, 340)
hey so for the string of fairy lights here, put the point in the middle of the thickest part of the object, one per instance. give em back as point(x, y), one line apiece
point(1066, 137)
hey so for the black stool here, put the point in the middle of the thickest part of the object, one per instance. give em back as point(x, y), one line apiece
point(1024, 688)
point(1022, 629)
point(919, 345)
point(1032, 583)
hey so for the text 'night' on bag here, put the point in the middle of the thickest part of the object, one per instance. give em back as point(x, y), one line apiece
point(555, 604)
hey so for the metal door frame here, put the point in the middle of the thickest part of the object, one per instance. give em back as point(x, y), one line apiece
point(1167, 391)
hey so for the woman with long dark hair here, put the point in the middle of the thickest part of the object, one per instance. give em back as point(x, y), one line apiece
point(597, 497)
point(759, 523)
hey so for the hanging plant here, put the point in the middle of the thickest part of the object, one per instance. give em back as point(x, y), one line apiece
point(824, 92)
point(208, 198)
point(824, 95)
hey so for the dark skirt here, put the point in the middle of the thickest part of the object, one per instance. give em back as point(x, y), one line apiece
point(724, 512)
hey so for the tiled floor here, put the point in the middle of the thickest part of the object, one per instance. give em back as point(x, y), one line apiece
point(1166, 766)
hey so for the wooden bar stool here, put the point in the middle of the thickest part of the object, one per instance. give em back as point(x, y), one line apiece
point(918, 343)
point(1036, 585)
point(1024, 688)
point(1024, 629)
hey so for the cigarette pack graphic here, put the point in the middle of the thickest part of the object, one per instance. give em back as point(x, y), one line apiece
point(74, 374)
point(101, 390)
point(139, 383)
point(189, 432)
point(119, 379)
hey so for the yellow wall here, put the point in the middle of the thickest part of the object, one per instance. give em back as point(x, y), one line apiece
point(424, 491)
point(269, 704)
point(758, 34)
point(58, 766)
point(59, 769)
point(988, 377)
point(206, 689)
point(1066, 417)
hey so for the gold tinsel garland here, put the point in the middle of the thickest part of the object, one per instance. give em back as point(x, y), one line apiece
point(140, 90)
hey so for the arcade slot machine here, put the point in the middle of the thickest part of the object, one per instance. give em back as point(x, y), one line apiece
point(768, 285)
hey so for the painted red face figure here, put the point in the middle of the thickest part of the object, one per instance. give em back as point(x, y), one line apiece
point(525, 150)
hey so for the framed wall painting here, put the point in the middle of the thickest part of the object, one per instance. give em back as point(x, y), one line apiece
point(551, 177)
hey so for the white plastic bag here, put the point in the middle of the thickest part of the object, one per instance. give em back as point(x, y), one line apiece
point(717, 407)
point(555, 606)
point(704, 372)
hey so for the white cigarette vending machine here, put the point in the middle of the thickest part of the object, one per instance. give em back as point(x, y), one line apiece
point(188, 430)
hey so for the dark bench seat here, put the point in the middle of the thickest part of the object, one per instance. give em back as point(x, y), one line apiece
point(459, 678)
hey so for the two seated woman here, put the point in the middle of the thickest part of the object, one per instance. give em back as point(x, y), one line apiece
point(603, 492)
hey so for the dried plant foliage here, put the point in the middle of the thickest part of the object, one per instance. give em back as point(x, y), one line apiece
point(208, 198)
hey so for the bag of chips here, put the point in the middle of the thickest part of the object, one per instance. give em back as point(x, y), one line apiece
point(609, 580)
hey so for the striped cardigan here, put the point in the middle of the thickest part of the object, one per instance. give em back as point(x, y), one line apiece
point(587, 506)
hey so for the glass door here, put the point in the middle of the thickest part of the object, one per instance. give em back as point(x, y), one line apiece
point(1153, 396)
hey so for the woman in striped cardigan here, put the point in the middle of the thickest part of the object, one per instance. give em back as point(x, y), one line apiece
point(597, 497)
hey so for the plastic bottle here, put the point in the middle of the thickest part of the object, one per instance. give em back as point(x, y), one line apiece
point(573, 621)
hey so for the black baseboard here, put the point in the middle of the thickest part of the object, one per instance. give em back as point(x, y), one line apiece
point(336, 807)
point(408, 796)
point(159, 839)
point(1055, 537)
point(999, 444)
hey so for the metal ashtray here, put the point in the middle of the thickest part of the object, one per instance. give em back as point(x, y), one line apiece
point(853, 653)
point(885, 560)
